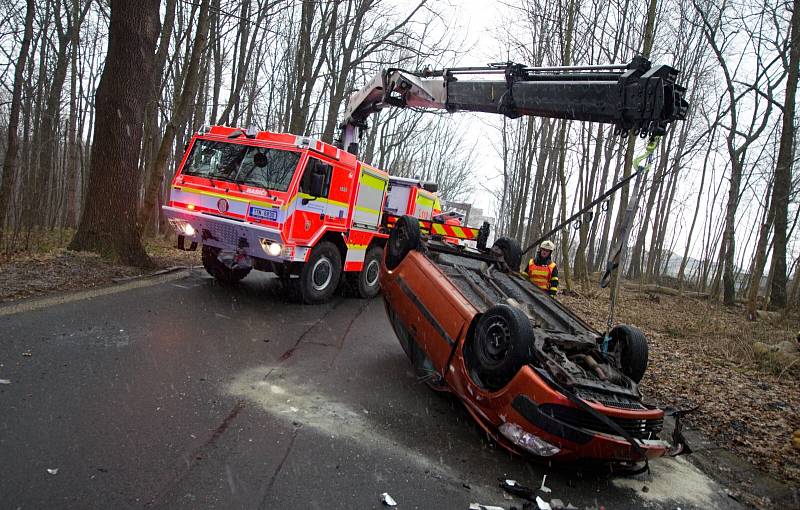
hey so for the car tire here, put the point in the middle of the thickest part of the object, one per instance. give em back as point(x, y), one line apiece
point(320, 275)
point(633, 350)
point(221, 272)
point(366, 282)
point(501, 344)
point(512, 253)
point(405, 236)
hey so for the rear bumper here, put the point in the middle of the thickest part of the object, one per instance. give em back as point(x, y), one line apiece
point(227, 234)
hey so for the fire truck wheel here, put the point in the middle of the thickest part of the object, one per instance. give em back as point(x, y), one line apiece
point(218, 270)
point(367, 281)
point(321, 273)
point(403, 238)
point(500, 345)
point(633, 350)
point(511, 251)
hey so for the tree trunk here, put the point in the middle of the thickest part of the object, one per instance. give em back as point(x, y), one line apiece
point(12, 142)
point(108, 223)
point(179, 117)
point(783, 167)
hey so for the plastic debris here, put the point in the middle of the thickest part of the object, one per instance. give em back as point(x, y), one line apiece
point(543, 505)
point(52, 471)
point(557, 504)
point(545, 488)
point(478, 506)
point(517, 489)
point(387, 500)
point(5, 381)
point(27, 354)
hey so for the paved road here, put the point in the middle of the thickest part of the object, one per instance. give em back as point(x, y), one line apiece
point(186, 394)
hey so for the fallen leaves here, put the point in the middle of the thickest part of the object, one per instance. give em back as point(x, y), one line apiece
point(701, 355)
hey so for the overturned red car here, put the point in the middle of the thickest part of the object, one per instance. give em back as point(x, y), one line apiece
point(537, 378)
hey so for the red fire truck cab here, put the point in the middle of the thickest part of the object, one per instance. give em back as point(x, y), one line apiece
point(288, 204)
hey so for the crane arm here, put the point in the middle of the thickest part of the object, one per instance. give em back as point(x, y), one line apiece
point(637, 96)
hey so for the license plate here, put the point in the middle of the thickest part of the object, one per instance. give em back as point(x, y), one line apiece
point(263, 213)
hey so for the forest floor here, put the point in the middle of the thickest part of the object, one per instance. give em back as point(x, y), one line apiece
point(701, 356)
point(48, 267)
point(701, 353)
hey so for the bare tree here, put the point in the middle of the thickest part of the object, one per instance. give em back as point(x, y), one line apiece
point(12, 143)
point(108, 223)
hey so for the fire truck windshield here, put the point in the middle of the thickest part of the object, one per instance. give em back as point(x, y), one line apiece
point(243, 164)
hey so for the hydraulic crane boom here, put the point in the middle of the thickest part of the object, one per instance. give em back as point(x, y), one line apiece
point(636, 96)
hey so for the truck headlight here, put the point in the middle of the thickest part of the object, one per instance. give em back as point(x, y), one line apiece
point(528, 441)
point(270, 248)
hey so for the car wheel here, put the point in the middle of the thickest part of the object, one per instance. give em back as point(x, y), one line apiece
point(367, 281)
point(404, 237)
point(511, 251)
point(321, 273)
point(501, 344)
point(631, 344)
point(221, 272)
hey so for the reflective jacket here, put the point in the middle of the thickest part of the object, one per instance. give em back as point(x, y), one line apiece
point(544, 274)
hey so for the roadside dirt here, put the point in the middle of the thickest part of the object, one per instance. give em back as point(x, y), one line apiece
point(25, 275)
point(701, 357)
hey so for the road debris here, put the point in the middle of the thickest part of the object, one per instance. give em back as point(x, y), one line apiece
point(387, 500)
point(27, 354)
point(478, 506)
point(543, 505)
point(557, 504)
point(5, 381)
point(513, 487)
point(543, 487)
point(52, 471)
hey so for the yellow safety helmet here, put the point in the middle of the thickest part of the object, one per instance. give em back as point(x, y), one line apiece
point(547, 245)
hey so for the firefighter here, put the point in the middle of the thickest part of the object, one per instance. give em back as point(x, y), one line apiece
point(542, 271)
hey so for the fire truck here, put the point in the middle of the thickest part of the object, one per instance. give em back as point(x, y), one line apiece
point(303, 208)
point(294, 206)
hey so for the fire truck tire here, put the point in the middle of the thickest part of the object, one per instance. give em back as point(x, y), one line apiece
point(511, 251)
point(218, 270)
point(500, 345)
point(367, 281)
point(404, 237)
point(633, 350)
point(320, 275)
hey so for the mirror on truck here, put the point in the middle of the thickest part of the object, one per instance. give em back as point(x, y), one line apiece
point(315, 181)
point(317, 184)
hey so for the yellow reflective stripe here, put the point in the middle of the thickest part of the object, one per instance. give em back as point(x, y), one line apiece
point(423, 200)
point(373, 181)
point(458, 231)
point(367, 209)
point(438, 229)
point(226, 197)
point(316, 199)
point(357, 246)
point(554, 279)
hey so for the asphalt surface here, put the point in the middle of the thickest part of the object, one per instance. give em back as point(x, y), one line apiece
point(188, 394)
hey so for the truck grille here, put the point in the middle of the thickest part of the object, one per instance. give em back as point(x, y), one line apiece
point(640, 429)
point(222, 232)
